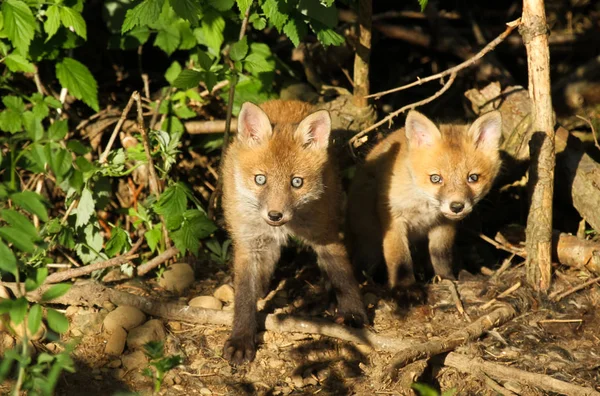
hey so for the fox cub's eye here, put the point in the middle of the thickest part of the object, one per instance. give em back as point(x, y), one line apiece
point(435, 179)
point(297, 182)
point(260, 179)
point(473, 178)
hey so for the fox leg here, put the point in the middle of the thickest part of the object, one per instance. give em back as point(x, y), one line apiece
point(441, 241)
point(396, 252)
point(253, 269)
point(333, 260)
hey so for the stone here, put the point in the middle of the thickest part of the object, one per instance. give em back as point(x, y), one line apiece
point(177, 278)
point(124, 317)
point(114, 363)
point(225, 293)
point(152, 330)
point(205, 391)
point(39, 334)
point(116, 342)
point(209, 302)
point(134, 360)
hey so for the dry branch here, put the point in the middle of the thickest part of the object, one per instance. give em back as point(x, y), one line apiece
point(91, 293)
point(455, 339)
point(111, 141)
point(559, 295)
point(156, 261)
point(88, 269)
point(363, 52)
point(541, 171)
point(471, 365)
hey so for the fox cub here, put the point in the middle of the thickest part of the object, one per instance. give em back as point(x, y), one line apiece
point(418, 183)
point(279, 181)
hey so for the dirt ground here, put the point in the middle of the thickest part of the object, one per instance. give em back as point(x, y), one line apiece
point(558, 339)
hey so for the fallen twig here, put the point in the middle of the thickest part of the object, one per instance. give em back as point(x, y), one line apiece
point(559, 295)
point(111, 141)
point(88, 269)
point(510, 26)
point(392, 115)
point(156, 261)
point(455, 339)
point(469, 364)
point(593, 130)
point(91, 293)
point(456, 298)
point(496, 387)
point(213, 126)
point(501, 295)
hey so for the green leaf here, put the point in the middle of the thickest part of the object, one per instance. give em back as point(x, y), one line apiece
point(295, 29)
point(424, 390)
point(196, 226)
point(56, 291)
point(58, 130)
point(61, 161)
point(53, 22)
point(34, 319)
point(85, 208)
point(277, 12)
point(239, 49)
point(18, 238)
point(327, 36)
point(19, 24)
point(212, 27)
point(20, 222)
point(57, 321)
point(117, 243)
point(187, 9)
point(32, 283)
point(14, 103)
point(256, 63)
point(8, 262)
point(423, 4)
point(10, 121)
point(18, 310)
point(145, 13)
point(153, 237)
point(17, 63)
point(168, 39)
point(76, 77)
point(187, 79)
point(204, 60)
point(31, 202)
point(173, 201)
point(315, 10)
point(33, 126)
point(259, 23)
point(221, 5)
point(73, 19)
point(243, 5)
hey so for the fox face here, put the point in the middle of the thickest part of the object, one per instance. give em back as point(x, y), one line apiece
point(279, 169)
point(454, 166)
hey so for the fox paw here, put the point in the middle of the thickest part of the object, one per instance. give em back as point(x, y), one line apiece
point(354, 315)
point(240, 349)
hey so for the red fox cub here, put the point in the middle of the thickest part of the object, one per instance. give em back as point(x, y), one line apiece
point(418, 183)
point(279, 181)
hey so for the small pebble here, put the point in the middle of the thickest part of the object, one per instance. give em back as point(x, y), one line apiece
point(124, 317)
point(152, 330)
point(177, 278)
point(209, 302)
point(116, 342)
point(225, 293)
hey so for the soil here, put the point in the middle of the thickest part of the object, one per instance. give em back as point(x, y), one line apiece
point(538, 340)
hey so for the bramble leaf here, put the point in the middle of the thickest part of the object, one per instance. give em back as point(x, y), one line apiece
point(78, 79)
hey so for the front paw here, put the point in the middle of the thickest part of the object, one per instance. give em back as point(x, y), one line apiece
point(353, 314)
point(240, 349)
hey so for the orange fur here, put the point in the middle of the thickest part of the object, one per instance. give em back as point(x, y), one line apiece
point(396, 197)
point(282, 143)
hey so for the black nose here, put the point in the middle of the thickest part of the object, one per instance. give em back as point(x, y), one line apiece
point(457, 207)
point(275, 216)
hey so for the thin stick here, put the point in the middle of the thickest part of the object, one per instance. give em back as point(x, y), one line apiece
point(389, 118)
point(457, 300)
point(489, 240)
point(111, 141)
point(560, 321)
point(154, 181)
point(496, 387)
point(214, 197)
point(501, 295)
point(156, 261)
point(505, 265)
point(88, 269)
point(557, 296)
point(363, 53)
point(510, 26)
point(469, 365)
point(593, 130)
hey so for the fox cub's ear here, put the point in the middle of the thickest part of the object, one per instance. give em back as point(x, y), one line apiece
point(420, 130)
point(254, 126)
point(487, 130)
point(314, 130)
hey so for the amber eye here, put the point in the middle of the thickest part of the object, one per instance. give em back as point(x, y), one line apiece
point(297, 182)
point(473, 178)
point(260, 179)
point(435, 179)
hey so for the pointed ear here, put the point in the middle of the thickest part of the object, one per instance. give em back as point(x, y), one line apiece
point(314, 130)
point(487, 130)
point(254, 126)
point(420, 130)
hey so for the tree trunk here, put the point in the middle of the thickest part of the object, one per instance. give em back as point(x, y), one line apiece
point(363, 52)
point(541, 172)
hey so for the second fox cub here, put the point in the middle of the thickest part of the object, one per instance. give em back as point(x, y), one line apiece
point(417, 183)
point(279, 181)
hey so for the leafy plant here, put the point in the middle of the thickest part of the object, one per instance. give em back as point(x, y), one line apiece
point(219, 252)
point(426, 390)
point(159, 364)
